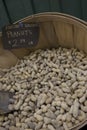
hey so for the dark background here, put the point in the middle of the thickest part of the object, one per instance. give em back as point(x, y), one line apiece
point(13, 10)
point(84, 128)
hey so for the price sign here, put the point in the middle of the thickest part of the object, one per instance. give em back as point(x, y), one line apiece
point(21, 35)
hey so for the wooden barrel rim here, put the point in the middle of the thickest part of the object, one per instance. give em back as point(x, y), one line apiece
point(69, 18)
point(52, 13)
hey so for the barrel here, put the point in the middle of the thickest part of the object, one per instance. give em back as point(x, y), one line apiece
point(56, 29)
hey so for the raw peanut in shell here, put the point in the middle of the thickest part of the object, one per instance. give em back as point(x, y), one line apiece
point(50, 90)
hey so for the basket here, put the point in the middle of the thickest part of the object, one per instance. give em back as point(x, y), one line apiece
point(56, 29)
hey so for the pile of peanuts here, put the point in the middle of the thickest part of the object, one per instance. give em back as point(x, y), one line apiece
point(50, 90)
